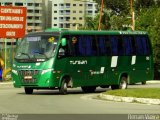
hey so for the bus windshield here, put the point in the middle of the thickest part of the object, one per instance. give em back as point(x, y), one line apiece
point(37, 47)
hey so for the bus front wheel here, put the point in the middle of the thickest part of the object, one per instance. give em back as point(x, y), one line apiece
point(28, 90)
point(63, 87)
point(88, 89)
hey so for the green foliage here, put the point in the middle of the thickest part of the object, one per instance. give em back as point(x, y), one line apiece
point(149, 20)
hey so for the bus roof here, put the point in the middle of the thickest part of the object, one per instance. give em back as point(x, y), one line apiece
point(109, 32)
point(59, 31)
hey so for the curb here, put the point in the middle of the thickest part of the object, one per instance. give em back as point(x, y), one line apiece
point(130, 99)
point(154, 81)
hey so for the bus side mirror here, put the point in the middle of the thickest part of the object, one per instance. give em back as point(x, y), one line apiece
point(64, 42)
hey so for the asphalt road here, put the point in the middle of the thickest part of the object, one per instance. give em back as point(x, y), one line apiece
point(14, 100)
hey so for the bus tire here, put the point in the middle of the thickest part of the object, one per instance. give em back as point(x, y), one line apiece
point(63, 87)
point(122, 85)
point(88, 89)
point(143, 82)
point(28, 91)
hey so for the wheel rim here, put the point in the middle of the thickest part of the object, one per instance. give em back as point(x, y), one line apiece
point(123, 84)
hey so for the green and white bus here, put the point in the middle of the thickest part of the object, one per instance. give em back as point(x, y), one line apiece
point(61, 59)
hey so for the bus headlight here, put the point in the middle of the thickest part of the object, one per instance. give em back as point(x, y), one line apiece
point(15, 72)
point(45, 71)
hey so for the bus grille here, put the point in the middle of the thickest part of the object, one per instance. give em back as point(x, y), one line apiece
point(27, 76)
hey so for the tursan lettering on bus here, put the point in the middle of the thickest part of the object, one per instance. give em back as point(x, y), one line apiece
point(12, 11)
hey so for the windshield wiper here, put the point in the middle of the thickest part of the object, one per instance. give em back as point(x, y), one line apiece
point(25, 54)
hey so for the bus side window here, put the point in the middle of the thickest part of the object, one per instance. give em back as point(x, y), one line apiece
point(120, 46)
point(102, 47)
point(95, 45)
point(114, 45)
point(81, 45)
point(134, 48)
point(88, 41)
point(128, 45)
point(78, 46)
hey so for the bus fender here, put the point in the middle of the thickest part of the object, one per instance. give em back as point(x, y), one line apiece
point(124, 74)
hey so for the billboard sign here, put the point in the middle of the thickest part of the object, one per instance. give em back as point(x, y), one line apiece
point(12, 21)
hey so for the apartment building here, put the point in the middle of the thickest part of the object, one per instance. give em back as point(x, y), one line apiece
point(71, 14)
point(35, 18)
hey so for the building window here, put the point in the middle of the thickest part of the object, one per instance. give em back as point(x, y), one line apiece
point(89, 12)
point(30, 24)
point(37, 18)
point(74, 18)
point(96, 11)
point(29, 17)
point(30, 4)
point(55, 24)
point(61, 25)
point(80, 18)
point(55, 4)
point(74, 4)
point(8, 3)
point(80, 25)
point(18, 4)
point(80, 11)
point(55, 18)
point(55, 11)
point(90, 5)
point(67, 25)
point(29, 11)
point(37, 11)
point(80, 4)
point(67, 5)
point(37, 24)
point(74, 11)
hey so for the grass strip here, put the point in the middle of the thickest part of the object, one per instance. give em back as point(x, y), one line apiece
point(136, 92)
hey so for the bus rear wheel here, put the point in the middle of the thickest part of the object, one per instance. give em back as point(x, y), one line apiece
point(63, 87)
point(143, 82)
point(28, 90)
point(122, 85)
point(88, 89)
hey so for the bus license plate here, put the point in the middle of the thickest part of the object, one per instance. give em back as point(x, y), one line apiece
point(27, 77)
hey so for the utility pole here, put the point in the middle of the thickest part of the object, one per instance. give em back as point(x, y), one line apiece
point(100, 18)
point(133, 15)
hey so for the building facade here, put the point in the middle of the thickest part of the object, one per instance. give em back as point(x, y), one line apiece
point(71, 14)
